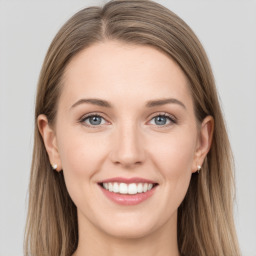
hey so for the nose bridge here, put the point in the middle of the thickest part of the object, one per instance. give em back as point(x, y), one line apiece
point(128, 147)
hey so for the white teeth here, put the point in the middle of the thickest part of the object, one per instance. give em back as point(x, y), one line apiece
point(140, 188)
point(131, 189)
point(110, 187)
point(123, 188)
point(116, 188)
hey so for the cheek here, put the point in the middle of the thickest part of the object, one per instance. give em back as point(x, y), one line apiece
point(174, 154)
point(173, 158)
point(80, 154)
point(81, 158)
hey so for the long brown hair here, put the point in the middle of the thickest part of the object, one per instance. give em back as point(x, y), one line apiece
point(205, 217)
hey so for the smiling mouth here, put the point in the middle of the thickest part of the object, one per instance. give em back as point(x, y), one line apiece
point(128, 189)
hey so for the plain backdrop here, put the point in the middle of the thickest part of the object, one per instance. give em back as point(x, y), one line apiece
point(227, 29)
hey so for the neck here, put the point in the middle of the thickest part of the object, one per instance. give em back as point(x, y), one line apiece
point(161, 242)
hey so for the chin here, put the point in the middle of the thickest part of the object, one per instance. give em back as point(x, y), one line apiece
point(130, 227)
point(129, 232)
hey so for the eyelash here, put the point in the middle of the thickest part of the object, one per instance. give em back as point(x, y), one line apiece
point(82, 120)
point(171, 118)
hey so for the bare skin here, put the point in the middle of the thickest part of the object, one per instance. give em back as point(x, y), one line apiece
point(142, 124)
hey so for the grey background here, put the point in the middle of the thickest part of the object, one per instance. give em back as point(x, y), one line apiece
point(227, 30)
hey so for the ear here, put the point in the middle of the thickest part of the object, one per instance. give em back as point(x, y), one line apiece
point(50, 141)
point(204, 141)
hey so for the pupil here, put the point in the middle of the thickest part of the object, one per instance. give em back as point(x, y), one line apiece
point(161, 120)
point(95, 120)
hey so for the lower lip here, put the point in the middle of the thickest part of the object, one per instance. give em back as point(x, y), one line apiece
point(126, 199)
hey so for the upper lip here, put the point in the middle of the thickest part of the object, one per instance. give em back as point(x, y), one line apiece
point(128, 180)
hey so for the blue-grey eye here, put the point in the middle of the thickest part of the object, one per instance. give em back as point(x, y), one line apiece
point(94, 120)
point(160, 120)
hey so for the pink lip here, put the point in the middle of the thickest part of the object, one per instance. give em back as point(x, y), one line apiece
point(124, 199)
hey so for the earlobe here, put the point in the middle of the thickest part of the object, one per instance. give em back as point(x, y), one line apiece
point(50, 143)
point(204, 141)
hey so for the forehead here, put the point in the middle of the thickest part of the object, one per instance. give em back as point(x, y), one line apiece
point(116, 70)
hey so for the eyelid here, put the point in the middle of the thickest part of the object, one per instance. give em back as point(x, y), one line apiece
point(84, 117)
point(172, 119)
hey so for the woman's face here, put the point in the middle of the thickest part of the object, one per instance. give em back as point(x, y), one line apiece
point(125, 118)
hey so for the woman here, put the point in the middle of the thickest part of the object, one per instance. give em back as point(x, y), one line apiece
point(131, 154)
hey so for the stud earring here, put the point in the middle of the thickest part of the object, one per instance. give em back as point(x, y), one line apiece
point(54, 166)
point(198, 168)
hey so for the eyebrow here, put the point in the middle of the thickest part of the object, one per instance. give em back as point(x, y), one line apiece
point(160, 102)
point(149, 104)
point(98, 102)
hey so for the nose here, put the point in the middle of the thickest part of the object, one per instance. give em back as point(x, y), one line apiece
point(127, 147)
